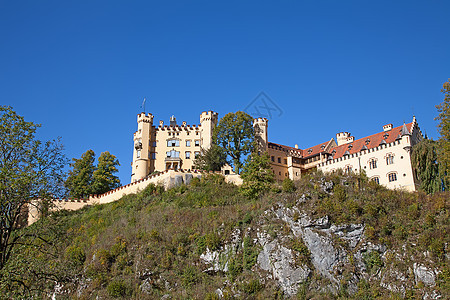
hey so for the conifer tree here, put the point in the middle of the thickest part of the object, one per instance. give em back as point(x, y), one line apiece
point(429, 172)
point(79, 181)
point(104, 179)
point(444, 130)
point(257, 175)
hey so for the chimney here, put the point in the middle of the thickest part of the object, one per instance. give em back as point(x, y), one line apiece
point(387, 127)
point(173, 121)
point(161, 123)
point(296, 146)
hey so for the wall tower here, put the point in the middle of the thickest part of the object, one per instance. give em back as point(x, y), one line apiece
point(208, 120)
point(141, 138)
point(260, 127)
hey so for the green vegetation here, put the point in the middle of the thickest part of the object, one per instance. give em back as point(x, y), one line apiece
point(444, 130)
point(424, 160)
point(234, 134)
point(85, 178)
point(29, 169)
point(148, 245)
point(257, 175)
point(212, 159)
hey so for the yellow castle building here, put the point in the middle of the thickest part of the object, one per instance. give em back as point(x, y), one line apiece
point(385, 156)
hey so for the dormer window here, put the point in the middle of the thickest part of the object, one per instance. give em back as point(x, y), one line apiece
point(367, 141)
point(350, 146)
point(322, 147)
point(385, 135)
point(333, 152)
point(310, 151)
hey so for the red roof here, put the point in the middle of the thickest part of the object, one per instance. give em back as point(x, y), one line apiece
point(370, 142)
point(315, 150)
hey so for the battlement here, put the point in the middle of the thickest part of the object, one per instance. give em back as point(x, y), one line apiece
point(262, 121)
point(142, 117)
point(208, 115)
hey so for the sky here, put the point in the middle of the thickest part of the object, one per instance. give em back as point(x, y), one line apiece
point(313, 68)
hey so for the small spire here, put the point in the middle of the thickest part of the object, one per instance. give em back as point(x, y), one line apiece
point(405, 130)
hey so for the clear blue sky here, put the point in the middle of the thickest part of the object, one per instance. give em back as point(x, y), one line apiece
point(82, 68)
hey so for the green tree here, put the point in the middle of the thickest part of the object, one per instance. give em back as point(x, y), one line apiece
point(29, 169)
point(257, 175)
point(235, 135)
point(424, 160)
point(444, 130)
point(80, 179)
point(103, 177)
point(212, 159)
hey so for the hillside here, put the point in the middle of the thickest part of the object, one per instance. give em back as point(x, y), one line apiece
point(335, 236)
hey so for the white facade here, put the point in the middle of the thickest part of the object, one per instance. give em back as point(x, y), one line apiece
point(384, 157)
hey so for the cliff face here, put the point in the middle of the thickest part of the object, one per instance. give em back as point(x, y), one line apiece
point(335, 236)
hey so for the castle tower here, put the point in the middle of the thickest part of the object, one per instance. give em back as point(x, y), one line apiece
point(260, 127)
point(141, 138)
point(208, 120)
point(344, 138)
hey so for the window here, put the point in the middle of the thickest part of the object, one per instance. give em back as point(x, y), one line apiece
point(389, 159)
point(196, 154)
point(173, 143)
point(188, 154)
point(138, 153)
point(152, 155)
point(196, 133)
point(373, 163)
point(285, 161)
point(376, 179)
point(348, 169)
point(173, 154)
point(197, 143)
point(188, 143)
point(279, 173)
point(272, 158)
point(279, 161)
point(392, 177)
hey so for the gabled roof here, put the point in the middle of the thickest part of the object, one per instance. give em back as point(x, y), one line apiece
point(371, 141)
point(304, 153)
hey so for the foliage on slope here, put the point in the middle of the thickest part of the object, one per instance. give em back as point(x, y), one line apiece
point(149, 245)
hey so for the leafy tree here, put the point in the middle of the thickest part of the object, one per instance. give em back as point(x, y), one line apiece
point(212, 159)
point(424, 160)
point(236, 136)
point(29, 169)
point(444, 130)
point(103, 177)
point(257, 175)
point(80, 179)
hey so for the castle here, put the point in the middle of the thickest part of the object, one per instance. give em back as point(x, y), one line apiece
point(384, 156)
point(164, 156)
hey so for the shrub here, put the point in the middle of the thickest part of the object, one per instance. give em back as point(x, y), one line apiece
point(117, 289)
point(373, 261)
point(190, 276)
point(75, 254)
point(252, 287)
point(288, 185)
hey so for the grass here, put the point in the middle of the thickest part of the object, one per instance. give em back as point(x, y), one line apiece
point(155, 239)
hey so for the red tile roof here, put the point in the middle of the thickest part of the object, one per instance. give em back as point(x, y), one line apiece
point(370, 142)
point(304, 153)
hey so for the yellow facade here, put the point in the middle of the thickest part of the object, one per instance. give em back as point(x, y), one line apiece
point(172, 146)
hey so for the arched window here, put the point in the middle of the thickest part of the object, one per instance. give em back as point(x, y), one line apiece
point(173, 143)
point(376, 179)
point(389, 159)
point(392, 176)
point(372, 163)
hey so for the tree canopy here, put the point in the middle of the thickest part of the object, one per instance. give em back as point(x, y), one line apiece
point(29, 169)
point(444, 130)
point(211, 159)
point(103, 177)
point(85, 178)
point(257, 175)
point(235, 135)
point(428, 170)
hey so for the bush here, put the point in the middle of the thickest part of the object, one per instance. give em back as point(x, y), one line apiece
point(373, 261)
point(288, 185)
point(76, 255)
point(117, 289)
point(190, 276)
